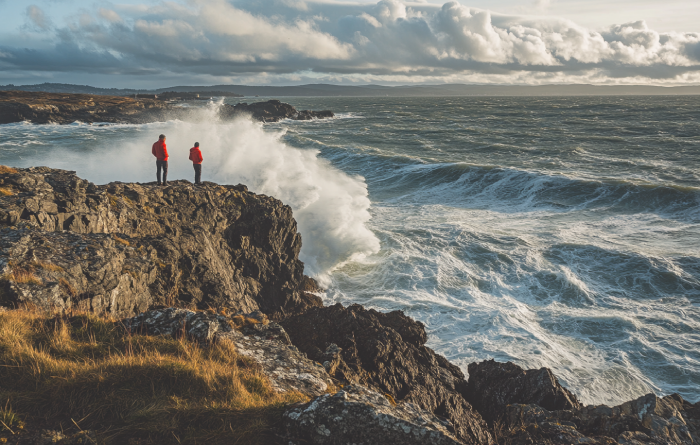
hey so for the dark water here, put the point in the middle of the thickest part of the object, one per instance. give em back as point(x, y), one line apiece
point(560, 232)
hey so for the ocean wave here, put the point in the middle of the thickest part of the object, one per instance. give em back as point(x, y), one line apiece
point(403, 179)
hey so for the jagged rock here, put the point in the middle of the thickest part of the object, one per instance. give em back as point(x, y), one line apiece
point(198, 326)
point(373, 352)
point(122, 248)
point(357, 415)
point(648, 420)
point(492, 386)
point(266, 344)
point(287, 368)
point(271, 111)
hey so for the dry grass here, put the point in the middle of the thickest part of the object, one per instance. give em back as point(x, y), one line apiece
point(4, 169)
point(121, 240)
point(24, 276)
point(47, 266)
point(132, 388)
point(6, 191)
point(240, 321)
point(67, 287)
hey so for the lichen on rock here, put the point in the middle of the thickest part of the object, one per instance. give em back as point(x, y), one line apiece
point(359, 415)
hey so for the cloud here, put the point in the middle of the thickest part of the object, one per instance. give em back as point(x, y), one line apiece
point(109, 15)
point(38, 18)
point(389, 39)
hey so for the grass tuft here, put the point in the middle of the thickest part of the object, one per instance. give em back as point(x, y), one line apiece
point(6, 191)
point(241, 320)
point(10, 420)
point(133, 388)
point(4, 169)
point(121, 240)
point(47, 266)
point(24, 276)
point(67, 287)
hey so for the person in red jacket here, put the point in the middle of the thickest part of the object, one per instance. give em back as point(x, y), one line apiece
point(160, 151)
point(196, 158)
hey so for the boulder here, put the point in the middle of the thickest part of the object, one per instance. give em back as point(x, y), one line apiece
point(368, 347)
point(492, 386)
point(357, 415)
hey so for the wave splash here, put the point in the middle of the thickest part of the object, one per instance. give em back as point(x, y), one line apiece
point(331, 207)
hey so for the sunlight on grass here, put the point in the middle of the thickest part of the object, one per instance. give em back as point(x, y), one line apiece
point(132, 387)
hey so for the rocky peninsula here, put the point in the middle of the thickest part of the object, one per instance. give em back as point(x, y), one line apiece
point(218, 266)
point(59, 108)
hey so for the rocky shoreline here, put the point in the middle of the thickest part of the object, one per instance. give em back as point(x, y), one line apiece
point(220, 264)
point(57, 108)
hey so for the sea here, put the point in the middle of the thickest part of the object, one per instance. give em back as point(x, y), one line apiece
point(547, 231)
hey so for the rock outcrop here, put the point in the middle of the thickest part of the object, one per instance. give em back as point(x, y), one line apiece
point(493, 386)
point(123, 248)
point(358, 415)
point(271, 111)
point(387, 352)
point(62, 108)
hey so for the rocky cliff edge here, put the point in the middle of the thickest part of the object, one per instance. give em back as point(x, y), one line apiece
point(121, 249)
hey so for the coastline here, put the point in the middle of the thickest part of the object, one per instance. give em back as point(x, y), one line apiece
point(65, 108)
point(119, 250)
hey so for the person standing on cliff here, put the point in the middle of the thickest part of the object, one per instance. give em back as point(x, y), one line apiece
point(160, 151)
point(196, 158)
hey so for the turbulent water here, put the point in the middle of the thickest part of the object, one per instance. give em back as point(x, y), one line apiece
point(559, 232)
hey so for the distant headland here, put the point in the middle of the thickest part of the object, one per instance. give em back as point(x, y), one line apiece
point(66, 108)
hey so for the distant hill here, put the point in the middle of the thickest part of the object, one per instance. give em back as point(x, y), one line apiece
point(378, 90)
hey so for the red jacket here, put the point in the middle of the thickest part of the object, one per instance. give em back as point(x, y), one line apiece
point(160, 151)
point(196, 155)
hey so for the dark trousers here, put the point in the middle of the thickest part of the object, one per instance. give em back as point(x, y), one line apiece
point(162, 165)
point(197, 173)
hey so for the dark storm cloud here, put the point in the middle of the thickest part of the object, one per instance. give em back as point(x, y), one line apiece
point(224, 38)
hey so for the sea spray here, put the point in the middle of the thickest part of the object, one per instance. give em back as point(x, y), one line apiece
point(331, 207)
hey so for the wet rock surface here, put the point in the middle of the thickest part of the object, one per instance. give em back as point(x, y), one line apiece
point(123, 248)
point(358, 415)
point(493, 386)
point(367, 347)
point(271, 111)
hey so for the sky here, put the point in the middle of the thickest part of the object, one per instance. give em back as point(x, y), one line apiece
point(156, 43)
